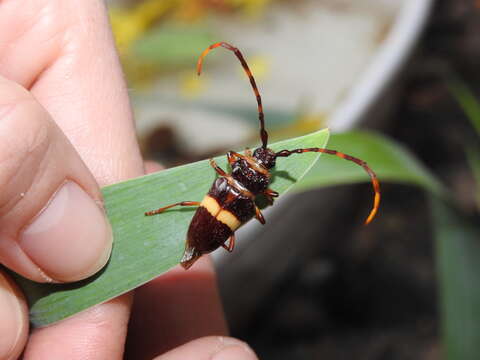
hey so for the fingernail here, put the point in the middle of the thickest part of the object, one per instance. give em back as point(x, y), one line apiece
point(13, 321)
point(235, 352)
point(71, 238)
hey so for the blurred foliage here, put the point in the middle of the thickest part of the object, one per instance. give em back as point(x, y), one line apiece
point(473, 158)
point(154, 36)
point(173, 44)
point(458, 264)
point(467, 101)
point(471, 107)
point(458, 252)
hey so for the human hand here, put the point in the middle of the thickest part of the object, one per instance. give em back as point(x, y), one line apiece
point(66, 128)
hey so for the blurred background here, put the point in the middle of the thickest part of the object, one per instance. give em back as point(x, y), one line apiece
point(396, 81)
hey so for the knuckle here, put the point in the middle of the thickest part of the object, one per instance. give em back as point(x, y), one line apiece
point(24, 141)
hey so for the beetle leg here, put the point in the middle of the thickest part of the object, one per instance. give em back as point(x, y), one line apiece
point(162, 209)
point(231, 243)
point(269, 199)
point(217, 168)
point(259, 215)
point(231, 157)
point(238, 155)
point(235, 155)
point(270, 194)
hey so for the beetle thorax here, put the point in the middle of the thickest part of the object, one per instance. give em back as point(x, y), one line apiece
point(254, 180)
point(265, 157)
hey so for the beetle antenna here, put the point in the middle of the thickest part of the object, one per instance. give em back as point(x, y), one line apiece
point(263, 132)
point(373, 176)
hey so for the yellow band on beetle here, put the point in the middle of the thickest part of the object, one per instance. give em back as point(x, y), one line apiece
point(229, 219)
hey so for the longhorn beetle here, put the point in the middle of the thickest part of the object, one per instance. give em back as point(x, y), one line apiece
point(230, 202)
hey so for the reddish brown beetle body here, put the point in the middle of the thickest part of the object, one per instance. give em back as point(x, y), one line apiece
point(230, 202)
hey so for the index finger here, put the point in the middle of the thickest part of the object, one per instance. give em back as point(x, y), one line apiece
point(63, 52)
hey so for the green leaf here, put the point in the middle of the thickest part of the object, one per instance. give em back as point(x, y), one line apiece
point(390, 161)
point(145, 247)
point(467, 101)
point(458, 268)
point(473, 158)
point(173, 44)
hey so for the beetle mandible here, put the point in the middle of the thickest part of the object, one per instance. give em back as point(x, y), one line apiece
point(230, 202)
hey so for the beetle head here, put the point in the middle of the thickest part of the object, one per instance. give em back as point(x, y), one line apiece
point(265, 156)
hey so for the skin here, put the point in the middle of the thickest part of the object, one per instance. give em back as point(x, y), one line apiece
point(63, 101)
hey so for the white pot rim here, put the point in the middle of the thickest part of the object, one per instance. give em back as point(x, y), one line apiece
point(386, 63)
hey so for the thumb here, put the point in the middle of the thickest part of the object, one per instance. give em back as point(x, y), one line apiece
point(211, 348)
point(52, 227)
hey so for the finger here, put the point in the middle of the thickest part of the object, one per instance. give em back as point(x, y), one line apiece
point(14, 315)
point(176, 307)
point(51, 225)
point(76, 76)
point(152, 166)
point(211, 348)
point(97, 333)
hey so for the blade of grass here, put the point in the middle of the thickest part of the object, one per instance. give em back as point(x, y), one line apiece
point(145, 247)
point(458, 268)
point(390, 161)
point(467, 101)
point(473, 158)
